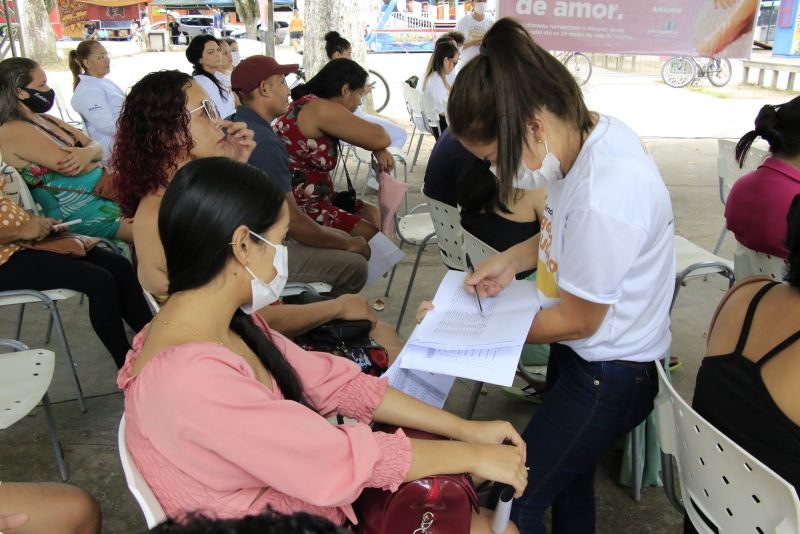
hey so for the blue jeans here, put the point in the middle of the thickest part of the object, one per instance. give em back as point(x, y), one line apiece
point(587, 408)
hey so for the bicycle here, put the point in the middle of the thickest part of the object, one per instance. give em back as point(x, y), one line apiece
point(680, 71)
point(578, 64)
point(380, 92)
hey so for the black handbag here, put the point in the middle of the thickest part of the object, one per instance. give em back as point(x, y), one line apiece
point(345, 200)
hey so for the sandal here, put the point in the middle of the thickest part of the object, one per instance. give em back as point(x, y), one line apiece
point(527, 394)
point(674, 363)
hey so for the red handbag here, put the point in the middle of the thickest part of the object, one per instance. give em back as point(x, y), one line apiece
point(439, 504)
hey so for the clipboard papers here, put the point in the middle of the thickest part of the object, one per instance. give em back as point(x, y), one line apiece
point(456, 340)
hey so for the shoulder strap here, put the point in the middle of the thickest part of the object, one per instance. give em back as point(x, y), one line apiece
point(779, 348)
point(748, 318)
point(52, 134)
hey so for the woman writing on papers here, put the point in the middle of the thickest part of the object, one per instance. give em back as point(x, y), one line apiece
point(225, 415)
point(605, 262)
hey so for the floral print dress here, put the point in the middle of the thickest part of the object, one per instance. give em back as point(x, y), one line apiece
point(311, 162)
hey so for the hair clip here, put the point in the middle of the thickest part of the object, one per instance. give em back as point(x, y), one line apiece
point(483, 49)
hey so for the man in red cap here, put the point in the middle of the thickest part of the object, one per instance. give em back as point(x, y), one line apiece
point(261, 85)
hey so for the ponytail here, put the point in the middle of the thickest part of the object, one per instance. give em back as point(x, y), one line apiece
point(496, 95)
point(777, 125)
point(77, 57)
point(271, 358)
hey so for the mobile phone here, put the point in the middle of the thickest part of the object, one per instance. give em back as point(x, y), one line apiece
point(67, 224)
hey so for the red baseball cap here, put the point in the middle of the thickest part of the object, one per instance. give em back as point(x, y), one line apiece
point(255, 69)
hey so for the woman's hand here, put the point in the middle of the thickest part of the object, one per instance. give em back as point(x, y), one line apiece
point(384, 161)
point(36, 228)
point(358, 245)
point(491, 433)
point(424, 307)
point(491, 276)
point(239, 144)
point(501, 463)
point(355, 308)
point(76, 161)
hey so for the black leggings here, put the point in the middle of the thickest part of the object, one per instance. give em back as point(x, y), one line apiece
point(106, 278)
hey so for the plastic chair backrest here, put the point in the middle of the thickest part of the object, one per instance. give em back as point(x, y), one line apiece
point(64, 111)
point(415, 104)
point(24, 379)
point(447, 222)
point(728, 168)
point(151, 508)
point(429, 112)
point(477, 249)
point(748, 262)
point(734, 490)
point(18, 191)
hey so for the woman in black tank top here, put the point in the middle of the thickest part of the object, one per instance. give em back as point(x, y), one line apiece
point(734, 392)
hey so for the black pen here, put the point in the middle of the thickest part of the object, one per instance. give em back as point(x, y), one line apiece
point(472, 269)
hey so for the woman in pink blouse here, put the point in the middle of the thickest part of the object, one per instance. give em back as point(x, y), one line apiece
point(226, 417)
point(758, 203)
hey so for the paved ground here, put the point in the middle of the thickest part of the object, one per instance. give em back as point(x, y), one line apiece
point(679, 127)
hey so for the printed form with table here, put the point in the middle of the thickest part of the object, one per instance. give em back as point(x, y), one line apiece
point(464, 337)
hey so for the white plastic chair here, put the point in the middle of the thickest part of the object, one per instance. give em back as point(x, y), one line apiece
point(731, 488)
point(415, 98)
point(25, 376)
point(63, 109)
point(151, 508)
point(414, 229)
point(365, 157)
point(692, 261)
point(748, 262)
point(728, 171)
point(447, 222)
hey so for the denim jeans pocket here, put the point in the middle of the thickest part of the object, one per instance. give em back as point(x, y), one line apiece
point(641, 402)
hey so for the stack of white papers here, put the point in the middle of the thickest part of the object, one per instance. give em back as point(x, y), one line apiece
point(456, 339)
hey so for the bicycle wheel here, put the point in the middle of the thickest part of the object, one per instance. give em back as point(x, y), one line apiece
point(380, 93)
point(678, 72)
point(719, 71)
point(296, 78)
point(580, 66)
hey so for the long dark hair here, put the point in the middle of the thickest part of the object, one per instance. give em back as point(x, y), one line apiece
point(153, 136)
point(330, 80)
point(447, 49)
point(197, 217)
point(194, 52)
point(497, 93)
point(336, 43)
point(777, 125)
point(15, 73)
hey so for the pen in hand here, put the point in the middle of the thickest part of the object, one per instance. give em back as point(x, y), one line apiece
point(472, 270)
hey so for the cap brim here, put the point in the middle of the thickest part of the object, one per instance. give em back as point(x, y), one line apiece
point(288, 69)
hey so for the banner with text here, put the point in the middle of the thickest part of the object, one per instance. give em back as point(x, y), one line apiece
point(719, 28)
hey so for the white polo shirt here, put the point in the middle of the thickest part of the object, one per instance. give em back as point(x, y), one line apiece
point(99, 102)
point(608, 237)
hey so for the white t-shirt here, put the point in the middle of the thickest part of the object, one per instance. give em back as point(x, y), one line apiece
point(472, 29)
point(227, 106)
point(99, 101)
point(436, 89)
point(608, 237)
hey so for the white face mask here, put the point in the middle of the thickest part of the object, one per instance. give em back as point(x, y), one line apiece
point(548, 173)
point(480, 8)
point(235, 58)
point(264, 293)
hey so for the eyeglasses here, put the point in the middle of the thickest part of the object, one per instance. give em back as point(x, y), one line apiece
point(211, 110)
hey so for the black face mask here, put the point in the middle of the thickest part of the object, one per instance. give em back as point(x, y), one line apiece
point(39, 101)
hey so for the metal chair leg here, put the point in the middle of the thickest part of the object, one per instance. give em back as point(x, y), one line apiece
point(49, 327)
point(416, 154)
point(635, 471)
point(411, 140)
point(722, 235)
point(19, 322)
point(51, 430)
point(56, 318)
point(411, 280)
point(473, 399)
point(391, 276)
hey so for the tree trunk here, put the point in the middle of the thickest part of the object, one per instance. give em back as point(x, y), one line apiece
point(37, 32)
point(248, 13)
point(322, 16)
